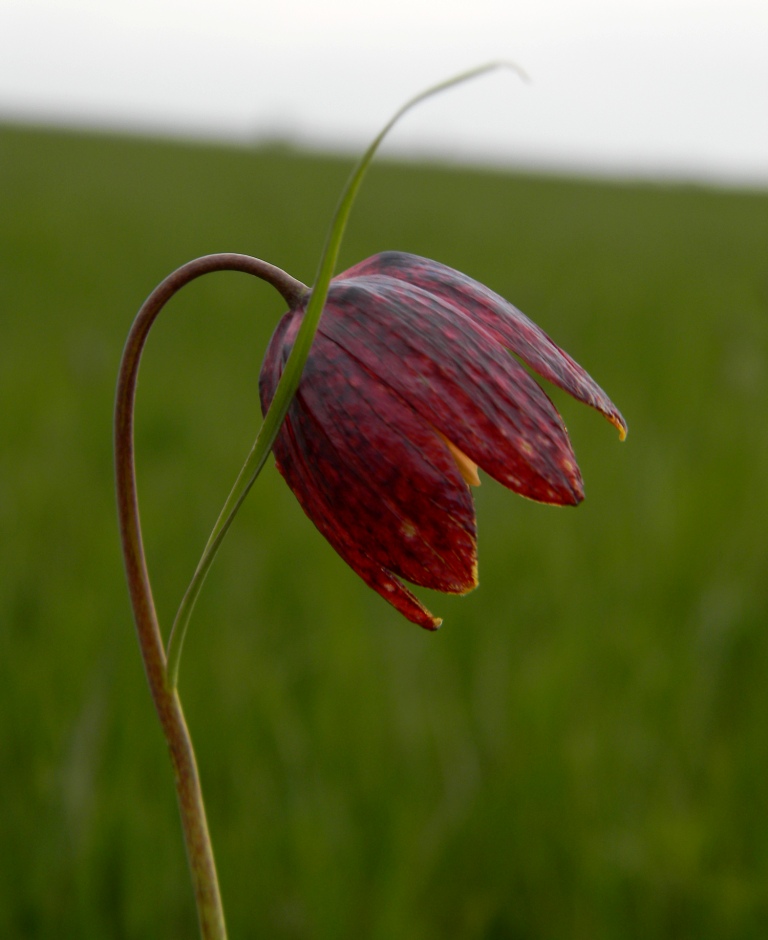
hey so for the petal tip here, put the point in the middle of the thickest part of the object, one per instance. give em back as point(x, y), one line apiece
point(467, 583)
point(617, 420)
point(473, 581)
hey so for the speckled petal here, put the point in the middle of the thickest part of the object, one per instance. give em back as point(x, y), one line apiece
point(461, 380)
point(377, 480)
point(383, 494)
point(500, 318)
point(300, 476)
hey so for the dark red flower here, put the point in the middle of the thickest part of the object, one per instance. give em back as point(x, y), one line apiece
point(408, 388)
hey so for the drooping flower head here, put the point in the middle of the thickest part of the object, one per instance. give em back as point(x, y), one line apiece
point(409, 388)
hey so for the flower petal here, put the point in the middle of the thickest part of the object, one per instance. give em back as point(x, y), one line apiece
point(300, 477)
point(378, 481)
point(500, 318)
point(395, 485)
point(460, 380)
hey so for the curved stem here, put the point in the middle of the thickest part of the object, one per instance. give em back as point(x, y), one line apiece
point(164, 695)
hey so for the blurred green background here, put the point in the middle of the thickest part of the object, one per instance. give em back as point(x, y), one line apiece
point(580, 752)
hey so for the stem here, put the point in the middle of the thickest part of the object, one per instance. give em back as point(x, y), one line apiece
point(164, 694)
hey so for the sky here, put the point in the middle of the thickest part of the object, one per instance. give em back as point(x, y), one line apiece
point(652, 88)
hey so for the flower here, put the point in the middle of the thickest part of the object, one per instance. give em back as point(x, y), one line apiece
point(409, 388)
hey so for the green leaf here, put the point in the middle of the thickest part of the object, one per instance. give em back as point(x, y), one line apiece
point(289, 380)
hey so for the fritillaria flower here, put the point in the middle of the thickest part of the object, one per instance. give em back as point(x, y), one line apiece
point(409, 388)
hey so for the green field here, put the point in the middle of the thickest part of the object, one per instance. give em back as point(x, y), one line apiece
point(580, 752)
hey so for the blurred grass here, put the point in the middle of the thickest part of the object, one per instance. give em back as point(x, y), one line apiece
point(581, 752)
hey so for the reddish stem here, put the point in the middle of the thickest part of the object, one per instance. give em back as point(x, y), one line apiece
point(166, 699)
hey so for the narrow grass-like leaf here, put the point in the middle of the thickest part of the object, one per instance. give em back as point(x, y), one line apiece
point(291, 376)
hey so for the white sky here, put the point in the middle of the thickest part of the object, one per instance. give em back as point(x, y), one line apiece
point(671, 87)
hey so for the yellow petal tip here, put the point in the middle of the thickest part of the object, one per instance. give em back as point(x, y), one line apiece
point(620, 424)
point(474, 581)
